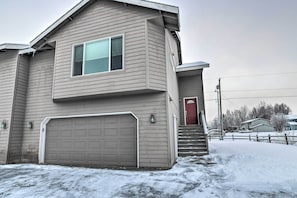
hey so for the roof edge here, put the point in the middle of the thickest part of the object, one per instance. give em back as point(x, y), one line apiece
point(152, 5)
point(13, 46)
point(58, 22)
point(141, 3)
point(192, 66)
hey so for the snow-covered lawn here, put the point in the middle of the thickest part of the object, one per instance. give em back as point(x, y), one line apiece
point(233, 169)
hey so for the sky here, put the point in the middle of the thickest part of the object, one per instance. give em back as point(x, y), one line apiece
point(250, 44)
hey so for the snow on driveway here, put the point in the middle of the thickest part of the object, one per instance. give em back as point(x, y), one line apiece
point(233, 169)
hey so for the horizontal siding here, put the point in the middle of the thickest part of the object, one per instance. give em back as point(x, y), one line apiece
point(156, 56)
point(153, 137)
point(111, 18)
point(172, 88)
point(186, 89)
point(8, 62)
point(16, 134)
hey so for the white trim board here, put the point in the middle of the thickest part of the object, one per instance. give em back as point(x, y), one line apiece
point(42, 138)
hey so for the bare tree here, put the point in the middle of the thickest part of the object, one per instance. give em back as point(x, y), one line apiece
point(234, 118)
point(278, 121)
point(282, 108)
point(262, 111)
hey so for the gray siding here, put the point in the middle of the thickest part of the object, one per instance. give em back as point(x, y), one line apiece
point(19, 102)
point(8, 62)
point(156, 56)
point(111, 19)
point(172, 88)
point(153, 137)
point(190, 86)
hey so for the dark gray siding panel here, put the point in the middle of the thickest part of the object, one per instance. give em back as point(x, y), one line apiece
point(191, 86)
point(110, 19)
point(19, 103)
point(156, 56)
point(92, 141)
point(153, 137)
point(8, 63)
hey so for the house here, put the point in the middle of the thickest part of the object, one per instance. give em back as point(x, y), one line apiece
point(290, 126)
point(256, 125)
point(291, 122)
point(104, 85)
point(291, 118)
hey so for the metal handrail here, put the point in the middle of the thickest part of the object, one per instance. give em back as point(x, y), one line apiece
point(205, 129)
point(204, 123)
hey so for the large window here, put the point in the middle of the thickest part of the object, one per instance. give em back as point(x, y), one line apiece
point(98, 56)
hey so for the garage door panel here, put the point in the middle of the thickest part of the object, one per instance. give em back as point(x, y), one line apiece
point(76, 134)
point(111, 132)
point(128, 131)
point(55, 132)
point(94, 141)
point(95, 133)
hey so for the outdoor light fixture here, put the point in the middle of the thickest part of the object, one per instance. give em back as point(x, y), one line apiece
point(30, 125)
point(152, 119)
point(3, 124)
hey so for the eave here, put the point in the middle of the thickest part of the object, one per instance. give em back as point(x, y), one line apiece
point(13, 46)
point(170, 16)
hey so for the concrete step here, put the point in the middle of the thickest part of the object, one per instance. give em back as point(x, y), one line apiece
point(191, 137)
point(185, 154)
point(192, 141)
point(192, 149)
point(190, 131)
point(184, 140)
point(196, 135)
point(184, 144)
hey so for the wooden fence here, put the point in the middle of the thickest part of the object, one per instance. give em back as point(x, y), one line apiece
point(281, 139)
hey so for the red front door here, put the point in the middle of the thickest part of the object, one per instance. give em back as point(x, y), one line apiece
point(191, 111)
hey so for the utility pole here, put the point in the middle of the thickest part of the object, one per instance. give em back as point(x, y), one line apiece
point(220, 113)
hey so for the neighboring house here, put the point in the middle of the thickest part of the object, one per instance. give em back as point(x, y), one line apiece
point(104, 85)
point(256, 125)
point(292, 122)
point(291, 118)
point(290, 126)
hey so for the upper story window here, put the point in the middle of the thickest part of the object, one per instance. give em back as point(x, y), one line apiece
point(103, 55)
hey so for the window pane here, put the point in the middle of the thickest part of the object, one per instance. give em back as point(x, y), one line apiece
point(77, 60)
point(97, 57)
point(116, 53)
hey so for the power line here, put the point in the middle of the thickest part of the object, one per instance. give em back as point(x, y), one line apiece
point(267, 74)
point(253, 90)
point(254, 97)
point(254, 75)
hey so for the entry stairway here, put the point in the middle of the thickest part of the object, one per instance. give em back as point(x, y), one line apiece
point(192, 141)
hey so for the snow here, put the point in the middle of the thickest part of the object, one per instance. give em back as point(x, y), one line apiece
point(233, 169)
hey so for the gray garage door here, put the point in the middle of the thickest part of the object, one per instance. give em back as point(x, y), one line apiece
point(92, 141)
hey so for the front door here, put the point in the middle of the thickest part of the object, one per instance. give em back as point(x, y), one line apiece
point(191, 111)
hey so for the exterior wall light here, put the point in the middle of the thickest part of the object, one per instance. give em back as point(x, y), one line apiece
point(3, 124)
point(152, 119)
point(30, 125)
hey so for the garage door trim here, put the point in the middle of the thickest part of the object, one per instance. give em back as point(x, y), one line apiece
point(42, 139)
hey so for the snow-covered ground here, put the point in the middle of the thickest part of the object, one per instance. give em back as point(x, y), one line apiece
point(233, 169)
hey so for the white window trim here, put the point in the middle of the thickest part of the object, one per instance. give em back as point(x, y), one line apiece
point(109, 68)
point(42, 137)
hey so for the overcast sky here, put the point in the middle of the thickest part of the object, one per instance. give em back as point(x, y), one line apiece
point(250, 44)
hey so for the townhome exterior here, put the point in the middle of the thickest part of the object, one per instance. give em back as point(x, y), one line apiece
point(104, 86)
